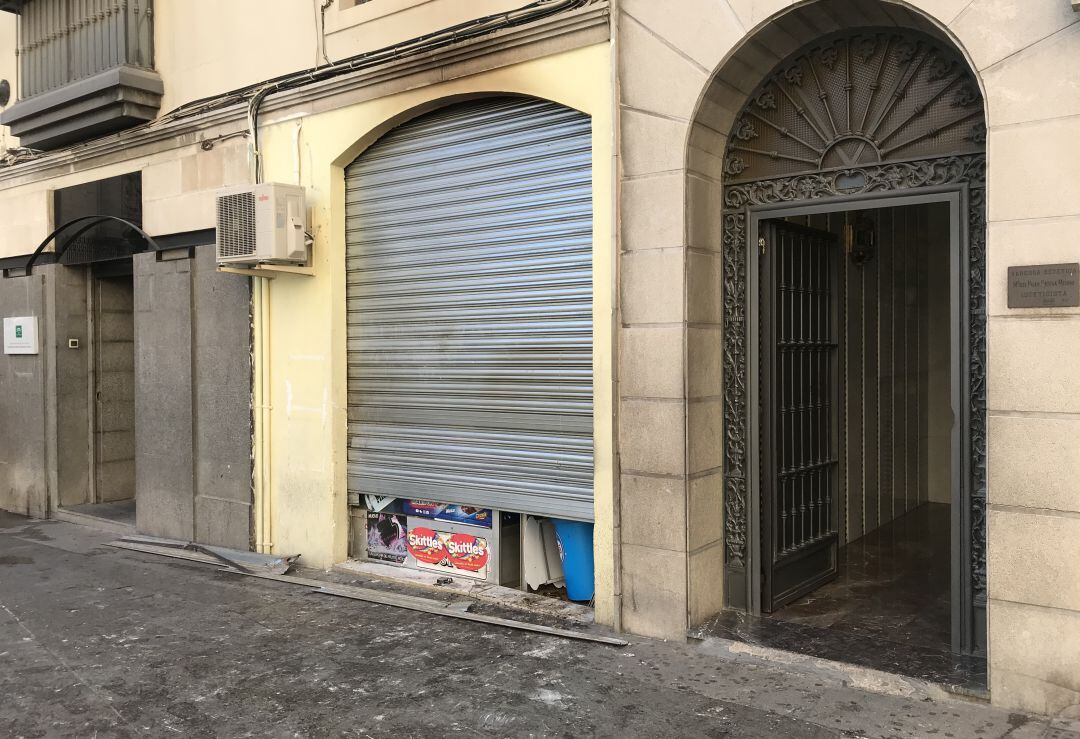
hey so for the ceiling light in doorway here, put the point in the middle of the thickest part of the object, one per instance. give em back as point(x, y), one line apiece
point(859, 237)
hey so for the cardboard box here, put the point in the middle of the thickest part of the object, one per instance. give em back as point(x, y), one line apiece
point(452, 550)
point(387, 537)
point(452, 512)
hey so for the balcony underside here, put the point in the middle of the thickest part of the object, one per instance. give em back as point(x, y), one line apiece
point(110, 101)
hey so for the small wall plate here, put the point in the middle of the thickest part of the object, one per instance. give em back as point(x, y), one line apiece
point(73, 343)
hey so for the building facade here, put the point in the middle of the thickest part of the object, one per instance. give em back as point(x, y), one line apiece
point(728, 280)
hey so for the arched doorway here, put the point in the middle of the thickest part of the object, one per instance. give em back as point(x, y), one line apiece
point(854, 183)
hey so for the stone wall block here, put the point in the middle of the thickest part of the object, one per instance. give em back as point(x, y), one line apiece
point(651, 362)
point(1022, 159)
point(673, 82)
point(753, 12)
point(652, 216)
point(1034, 462)
point(991, 30)
point(654, 592)
point(162, 180)
point(1033, 365)
point(211, 166)
point(705, 517)
point(652, 286)
point(1033, 656)
point(714, 30)
point(222, 337)
point(1032, 558)
point(704, 362)
point(705, 419)
point(1010, 96)
point(703, 280)
point(225, 523)
point(706, 583)
point(652, 436)
point(188, 212)
point(705, 163)
point(704, 207)
point(654, 512)
point(651, 143)
point(943, 11)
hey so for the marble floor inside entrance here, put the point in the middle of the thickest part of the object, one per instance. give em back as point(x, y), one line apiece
point(120, 512)
point(889, 608)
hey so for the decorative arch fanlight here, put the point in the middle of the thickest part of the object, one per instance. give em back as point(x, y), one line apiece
point(855, 99)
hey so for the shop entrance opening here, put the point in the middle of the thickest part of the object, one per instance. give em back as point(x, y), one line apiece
point(106, 364)
point(857, 368)
point(854, 325)
point(469, 241)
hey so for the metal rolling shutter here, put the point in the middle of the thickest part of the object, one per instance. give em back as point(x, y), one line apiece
point(469, 286)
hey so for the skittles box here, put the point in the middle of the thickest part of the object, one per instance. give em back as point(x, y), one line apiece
point(448, 551)
point(449, 512)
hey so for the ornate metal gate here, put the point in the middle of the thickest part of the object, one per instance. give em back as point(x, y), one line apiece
point(799, 348)
point(862, 113)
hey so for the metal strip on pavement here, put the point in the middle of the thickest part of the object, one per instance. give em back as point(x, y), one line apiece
point(374, 596)
point(452, 609)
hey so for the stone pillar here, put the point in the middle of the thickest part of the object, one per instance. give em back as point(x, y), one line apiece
point(23, 474)
point(193, 399)
point(1033, 402)
point(669, 354)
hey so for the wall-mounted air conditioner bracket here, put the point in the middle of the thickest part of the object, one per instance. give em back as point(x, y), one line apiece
point(269, 271)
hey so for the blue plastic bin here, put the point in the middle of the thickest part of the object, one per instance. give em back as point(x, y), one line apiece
point(576, 552)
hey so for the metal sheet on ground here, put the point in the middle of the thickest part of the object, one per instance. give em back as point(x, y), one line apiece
point(453, 609)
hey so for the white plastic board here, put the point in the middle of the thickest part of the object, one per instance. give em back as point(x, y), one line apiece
point(21, 335)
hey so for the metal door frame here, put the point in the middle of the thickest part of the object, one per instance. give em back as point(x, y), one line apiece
point(958, 181)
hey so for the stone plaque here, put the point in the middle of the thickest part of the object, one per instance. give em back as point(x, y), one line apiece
point(1044, 286)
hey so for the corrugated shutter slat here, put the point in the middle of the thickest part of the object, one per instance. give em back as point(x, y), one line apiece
point(469, 308)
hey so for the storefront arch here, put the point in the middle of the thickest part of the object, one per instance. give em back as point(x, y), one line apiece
point(407, 114)
point(883, 106)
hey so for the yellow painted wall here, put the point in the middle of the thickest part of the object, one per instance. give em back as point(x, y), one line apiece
point(206, 47)
point(307, 352)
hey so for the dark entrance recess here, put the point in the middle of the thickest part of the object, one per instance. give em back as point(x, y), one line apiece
point(119, 197)
point(856, 426)
point(100, 231)
point(856, 124)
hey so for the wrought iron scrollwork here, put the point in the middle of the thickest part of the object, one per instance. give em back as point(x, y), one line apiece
point(735, 396)
point(857, 98)
point(898, 176)
point(977, 383)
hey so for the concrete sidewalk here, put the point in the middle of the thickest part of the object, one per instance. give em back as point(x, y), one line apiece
point(99, 641)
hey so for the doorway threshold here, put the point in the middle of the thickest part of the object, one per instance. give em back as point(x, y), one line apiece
point(118, 517)
point(957, 674)
point(495, 594)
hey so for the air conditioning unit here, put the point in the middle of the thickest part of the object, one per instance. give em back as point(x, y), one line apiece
point(261, 224)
